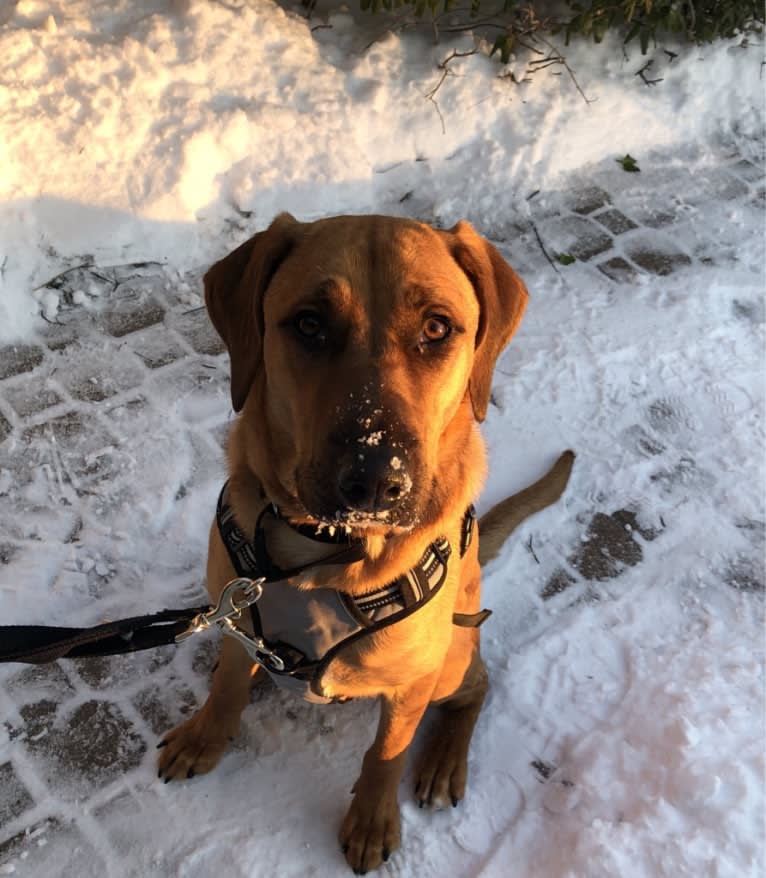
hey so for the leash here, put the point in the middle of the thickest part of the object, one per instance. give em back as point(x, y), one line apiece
point(38, 644)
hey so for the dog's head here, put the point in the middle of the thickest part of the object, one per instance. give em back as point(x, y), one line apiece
point(359, 345)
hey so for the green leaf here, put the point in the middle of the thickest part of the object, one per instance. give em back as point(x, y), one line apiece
point(504, 45)
point(633, 32)
point(599, 28)
point(566, 258)
point(629, 164)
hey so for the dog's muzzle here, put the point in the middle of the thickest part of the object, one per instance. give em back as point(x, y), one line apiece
point(373, 481)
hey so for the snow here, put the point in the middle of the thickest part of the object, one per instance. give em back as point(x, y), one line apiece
point(624, 731)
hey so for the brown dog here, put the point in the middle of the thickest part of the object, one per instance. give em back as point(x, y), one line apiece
point(362, 351)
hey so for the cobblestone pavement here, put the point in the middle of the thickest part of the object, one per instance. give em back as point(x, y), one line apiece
point(83, 732)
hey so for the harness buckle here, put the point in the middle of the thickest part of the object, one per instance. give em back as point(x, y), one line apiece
point(237, 595)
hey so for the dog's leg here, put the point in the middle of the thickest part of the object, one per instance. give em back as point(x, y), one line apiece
point(443, 768)
point(370, 830)
point(196, 746)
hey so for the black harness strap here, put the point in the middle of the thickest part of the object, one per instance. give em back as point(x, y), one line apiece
point(251, 557)
point(471, 620)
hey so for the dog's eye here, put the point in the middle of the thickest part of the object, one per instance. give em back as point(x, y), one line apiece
point(435, 329)
point(308, 325)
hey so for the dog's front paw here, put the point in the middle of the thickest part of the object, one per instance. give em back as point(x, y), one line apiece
point(194, 747)
point(370, 831)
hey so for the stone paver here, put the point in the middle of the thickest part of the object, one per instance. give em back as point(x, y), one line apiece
point(14, 797)
point(16, 359)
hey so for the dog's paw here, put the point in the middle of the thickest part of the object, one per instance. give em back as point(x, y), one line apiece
point(442, 773)
point(370, 831)
point(194, 747)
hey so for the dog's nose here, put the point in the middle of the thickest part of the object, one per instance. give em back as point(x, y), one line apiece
point(374, 482)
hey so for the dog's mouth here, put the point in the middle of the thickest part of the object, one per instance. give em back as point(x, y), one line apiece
point(334, 520)
point(350, 521)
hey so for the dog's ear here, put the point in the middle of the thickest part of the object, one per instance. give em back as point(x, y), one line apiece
point(234, 290)
point(502, 301)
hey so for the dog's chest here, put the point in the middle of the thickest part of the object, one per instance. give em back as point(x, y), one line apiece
point(391, 658)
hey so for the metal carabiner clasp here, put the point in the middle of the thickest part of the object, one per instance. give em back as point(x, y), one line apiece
point(254, 646)
point(236, 596)
point(229, 605)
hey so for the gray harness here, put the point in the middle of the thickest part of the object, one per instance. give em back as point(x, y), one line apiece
point(304, 629)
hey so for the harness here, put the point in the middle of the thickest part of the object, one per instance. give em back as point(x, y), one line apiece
point(298, 631)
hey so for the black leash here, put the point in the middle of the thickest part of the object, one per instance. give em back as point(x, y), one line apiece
point(37, 644)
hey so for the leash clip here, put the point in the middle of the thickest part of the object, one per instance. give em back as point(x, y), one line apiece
point(254, 646)
point(237, 595)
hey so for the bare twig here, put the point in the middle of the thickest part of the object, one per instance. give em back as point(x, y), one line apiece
point(52, 322)
point(563, 62)
point(510, 76)
point(446, 71)
point(93, 270)
point(61, 274)
point(436, 104)
point(532, 550)
point(145, 264)
point(545, 63)
point(542, 247)
point(642, 74)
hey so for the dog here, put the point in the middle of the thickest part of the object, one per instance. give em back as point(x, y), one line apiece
point(362, 350)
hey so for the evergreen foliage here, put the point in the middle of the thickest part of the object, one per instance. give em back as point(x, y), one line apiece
point(647, 21)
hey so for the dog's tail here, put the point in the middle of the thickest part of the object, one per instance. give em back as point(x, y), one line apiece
point(497, 525)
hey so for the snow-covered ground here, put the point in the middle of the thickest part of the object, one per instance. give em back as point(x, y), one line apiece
point(624, 732)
